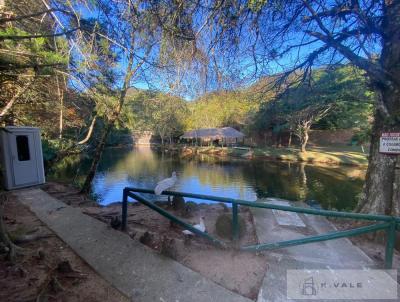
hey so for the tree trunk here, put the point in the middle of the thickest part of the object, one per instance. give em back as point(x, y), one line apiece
point(304, 138)
point(381, 190)
point(290, 139)
point(89, 133)
point(11, 102)
point(102, 143)
point(396, 188)
point(72, 149)
point(60, 94)
point(381, 185)
point(86, 188)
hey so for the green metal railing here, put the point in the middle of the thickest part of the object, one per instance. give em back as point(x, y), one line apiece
point(387, 223)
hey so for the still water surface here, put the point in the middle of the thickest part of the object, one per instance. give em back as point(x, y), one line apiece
point(332, 187)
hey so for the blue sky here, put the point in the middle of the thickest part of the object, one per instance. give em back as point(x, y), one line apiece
point(238, 75)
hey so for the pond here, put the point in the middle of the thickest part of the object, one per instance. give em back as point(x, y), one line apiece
point(331, 187)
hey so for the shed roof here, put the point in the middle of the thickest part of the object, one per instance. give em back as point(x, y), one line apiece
point(213, 133)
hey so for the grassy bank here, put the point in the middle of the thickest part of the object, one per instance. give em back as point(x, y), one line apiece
point(344, 155)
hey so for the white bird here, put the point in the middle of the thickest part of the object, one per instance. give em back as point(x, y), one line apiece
point(201, 227)
point(165, 184)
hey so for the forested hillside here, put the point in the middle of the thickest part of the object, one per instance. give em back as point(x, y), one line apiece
point(333, 99)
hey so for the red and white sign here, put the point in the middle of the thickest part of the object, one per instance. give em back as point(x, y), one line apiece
point(390, 143)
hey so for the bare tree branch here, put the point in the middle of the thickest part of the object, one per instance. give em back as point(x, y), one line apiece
point(11, 102)
point(18, 18)
point(373, 69)
point(89, 133)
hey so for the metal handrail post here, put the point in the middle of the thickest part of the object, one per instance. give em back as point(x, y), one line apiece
point(235, 222)
point(390, 242)
point(124, 209)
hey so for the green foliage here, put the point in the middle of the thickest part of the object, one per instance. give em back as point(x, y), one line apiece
point(343, 91)
point(105, 103)
point(50, 149)
point(335, 99)
point(347, 115)
point(40, 49)
point(362, 136)
point(222, 109)
point(256, 5)
point(30, 62)
point(160, 113)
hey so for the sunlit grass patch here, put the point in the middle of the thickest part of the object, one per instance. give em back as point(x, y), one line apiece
point(321, 155)
point(317, 155)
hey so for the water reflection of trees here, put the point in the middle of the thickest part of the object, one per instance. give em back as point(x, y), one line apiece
point(334, 187)
point(70, 169)
point(275, 179)
point(294, 181)
point(214, 174)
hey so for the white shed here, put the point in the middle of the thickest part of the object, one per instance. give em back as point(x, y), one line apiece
point(21, 157)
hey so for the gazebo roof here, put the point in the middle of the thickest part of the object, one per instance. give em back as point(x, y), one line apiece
point(213, 133)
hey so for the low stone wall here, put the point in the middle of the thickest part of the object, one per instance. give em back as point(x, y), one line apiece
point(317, 138)
point(331, 137)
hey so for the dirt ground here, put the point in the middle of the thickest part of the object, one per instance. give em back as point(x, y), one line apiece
point(49, 270)
point(241, 272)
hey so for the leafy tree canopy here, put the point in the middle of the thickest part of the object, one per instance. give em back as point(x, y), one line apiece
point(154, 111)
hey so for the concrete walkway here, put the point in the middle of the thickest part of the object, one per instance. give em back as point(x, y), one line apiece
point(272, 226)
point(135, 270)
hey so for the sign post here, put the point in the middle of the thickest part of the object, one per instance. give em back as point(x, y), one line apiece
point(390, 143)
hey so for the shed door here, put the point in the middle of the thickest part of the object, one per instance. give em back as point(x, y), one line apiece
point(23, 158)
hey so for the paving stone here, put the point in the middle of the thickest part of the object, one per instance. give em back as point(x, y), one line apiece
point(332, 254)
